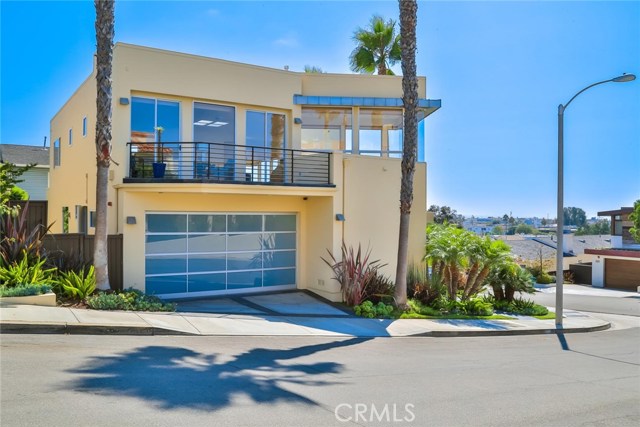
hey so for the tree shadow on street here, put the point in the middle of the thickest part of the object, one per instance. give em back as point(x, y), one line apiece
point(174, 377)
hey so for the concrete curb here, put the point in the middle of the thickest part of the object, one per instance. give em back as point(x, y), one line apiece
point(68, 329)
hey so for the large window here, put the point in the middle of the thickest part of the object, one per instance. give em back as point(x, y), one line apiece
point(380, 132)
point(156, 122)
point(200, 252)
point(326, 129)
point(214, 124)
point(265, 143)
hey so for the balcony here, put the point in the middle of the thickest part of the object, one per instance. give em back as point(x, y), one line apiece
point(203, 162)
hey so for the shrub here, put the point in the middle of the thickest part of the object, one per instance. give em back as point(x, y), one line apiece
point(545, 278)
point(353, 272)
point(25, 272)
point(369, 310)
point(17, 240)
point(24, 290)
point(379, 288)
point(568, 277)
point(519, 306)
point(77, 286)
point(473, 307)
point(130, 299)
point(423, 285)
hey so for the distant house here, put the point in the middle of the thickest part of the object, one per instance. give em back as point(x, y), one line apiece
point(36, 180)
point(618, 267)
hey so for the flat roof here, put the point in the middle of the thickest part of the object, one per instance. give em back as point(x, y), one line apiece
point(622, 211)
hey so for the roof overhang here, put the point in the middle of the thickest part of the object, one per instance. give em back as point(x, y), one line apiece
point(621, 211)
point(426, 107)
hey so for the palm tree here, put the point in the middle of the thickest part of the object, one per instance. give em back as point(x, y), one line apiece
point(104, 55)
point(408, 22)
point(378, 46)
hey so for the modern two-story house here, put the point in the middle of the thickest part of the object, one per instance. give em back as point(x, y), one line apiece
point(231, 177)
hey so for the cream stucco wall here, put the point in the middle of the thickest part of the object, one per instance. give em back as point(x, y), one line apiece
point(371, 208)
point(74, 181)
point(366, 189)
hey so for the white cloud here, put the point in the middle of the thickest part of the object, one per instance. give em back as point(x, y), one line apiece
point(289, 40)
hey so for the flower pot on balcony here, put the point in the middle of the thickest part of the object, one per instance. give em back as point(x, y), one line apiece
point(159, 169)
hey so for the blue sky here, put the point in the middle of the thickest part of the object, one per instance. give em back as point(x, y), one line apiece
point(500, 68)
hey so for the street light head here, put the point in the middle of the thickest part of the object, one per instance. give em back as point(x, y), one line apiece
point(624, 78)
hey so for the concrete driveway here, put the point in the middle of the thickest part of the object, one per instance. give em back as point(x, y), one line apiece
point(289, 303)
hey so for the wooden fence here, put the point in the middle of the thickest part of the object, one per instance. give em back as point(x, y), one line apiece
point(80, 246)
point(37, 213)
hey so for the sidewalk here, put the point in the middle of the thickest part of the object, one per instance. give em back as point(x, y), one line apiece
point(62, 320)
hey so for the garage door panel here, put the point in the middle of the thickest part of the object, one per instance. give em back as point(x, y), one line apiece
point(280, 277)
point(159, 285)
point(159, 244)
point(279, 259)
point(207, 223)
point(279, 241)
point(244, 260)
point(244, 279)
point(166, 264)
point(244, 223)
point(207, 243)
point(166, 223)
point(280, 223)
point(207, 282)
point(207, 262)
point(244, 242)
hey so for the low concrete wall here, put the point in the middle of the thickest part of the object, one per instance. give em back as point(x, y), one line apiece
point(48, 299)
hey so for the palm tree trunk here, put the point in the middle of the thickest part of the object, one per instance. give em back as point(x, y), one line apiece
point(408, 21)
point(104, 56)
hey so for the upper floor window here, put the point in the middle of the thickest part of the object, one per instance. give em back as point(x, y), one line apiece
point(70, 136)
point(326, 129)
point(154, 120)
point(84, 126)
point(56, 152)
point(214, 123)
point(380, 132)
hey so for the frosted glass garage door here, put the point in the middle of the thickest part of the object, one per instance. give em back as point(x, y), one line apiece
point(187, 253)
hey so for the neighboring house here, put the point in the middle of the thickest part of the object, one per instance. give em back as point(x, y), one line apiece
point(36, 180)
point(619, 266)
point(233, 177)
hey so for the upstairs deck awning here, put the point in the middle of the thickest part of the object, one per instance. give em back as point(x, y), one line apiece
point(425, 106)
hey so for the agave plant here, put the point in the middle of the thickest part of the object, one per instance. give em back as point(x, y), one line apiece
point(25, 272)
point(78, 286)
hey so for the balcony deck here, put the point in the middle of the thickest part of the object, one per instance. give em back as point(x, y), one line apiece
point(203, 162)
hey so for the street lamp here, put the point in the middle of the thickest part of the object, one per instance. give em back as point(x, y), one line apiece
point(560, 230)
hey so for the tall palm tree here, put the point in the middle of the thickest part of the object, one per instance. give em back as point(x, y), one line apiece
point(408, 22)
point(378, 47)
point(104, 56)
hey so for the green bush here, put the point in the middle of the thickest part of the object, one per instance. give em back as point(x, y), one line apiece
point(24, 290)
point(424, 286)
point(25, 272)
point(519, 306)
point(371, 311)
point(545, 279)
point(77, 286)
point(130, 299)
point(472, 307)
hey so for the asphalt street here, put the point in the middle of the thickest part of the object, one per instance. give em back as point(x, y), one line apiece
point(571, 380)
point(627, 306)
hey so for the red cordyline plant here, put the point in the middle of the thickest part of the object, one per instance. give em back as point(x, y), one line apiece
point(17, 241)
point(353, 271)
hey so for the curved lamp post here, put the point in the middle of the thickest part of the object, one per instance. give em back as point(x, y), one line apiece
point(560, 221)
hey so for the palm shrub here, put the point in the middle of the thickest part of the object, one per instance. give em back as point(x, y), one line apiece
point(77, 285)
point(508, 278)
point(354, 270)
point(25, 272)
point(462, 259)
